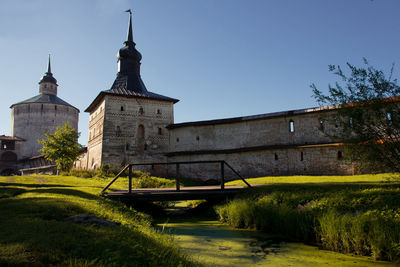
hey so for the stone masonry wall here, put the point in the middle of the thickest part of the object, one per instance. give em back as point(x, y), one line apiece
point(30, 121)
point(132, 130)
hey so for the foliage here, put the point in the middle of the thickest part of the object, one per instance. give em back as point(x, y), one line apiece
point(354, 217)
point(38, 207)
point(367, 120)
point(62, 146)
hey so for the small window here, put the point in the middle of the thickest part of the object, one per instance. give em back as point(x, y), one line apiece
point(389, 118)
point(55, 107)
point(321, 124)
point(42, 107)
point(301, 156)
point(122, 108)
point(276, 156)
point(158, 111)
point(339, 155)
point(351, 122)
point(197, 138)
point(177, 140)
point(141, 111)
point(159, 131)
point(127, 146)
point(291, 126)
point(118, 131)
point(145, 146)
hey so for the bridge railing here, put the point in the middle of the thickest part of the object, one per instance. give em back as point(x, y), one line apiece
point(222, 163)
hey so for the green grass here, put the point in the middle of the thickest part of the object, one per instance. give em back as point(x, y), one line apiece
point(33, 229)
point(359, 216)
point(318, 179)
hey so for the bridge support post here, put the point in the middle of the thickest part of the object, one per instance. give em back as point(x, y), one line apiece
point(130, 179)
point(222, 175)
point(178, 186)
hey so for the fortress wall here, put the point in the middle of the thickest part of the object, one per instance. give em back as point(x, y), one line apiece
point(259, 147)
point(316, 161)
point(250, 133)
point(30, 121)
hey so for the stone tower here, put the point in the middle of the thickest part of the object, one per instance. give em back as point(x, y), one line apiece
point(39, 114)
point(127, 122)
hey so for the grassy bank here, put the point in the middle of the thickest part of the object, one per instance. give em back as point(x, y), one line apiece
point(34, 229)
point(360, 216)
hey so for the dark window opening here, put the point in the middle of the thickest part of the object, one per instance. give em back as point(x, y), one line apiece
point(55, 107)
point(122, 108)
point(158, 111)
point(301, 156)
point(118, 131)
point(177, 139)
point(127, 146)
point(159, 131)
point(276, 156)
point(197, 138)
point(291, 126)
point(7, 145)
point(145, 146)
point(42, 107)
point(339, 155)
point(141, 111)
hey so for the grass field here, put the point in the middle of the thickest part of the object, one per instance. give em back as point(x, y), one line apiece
point(350, 214)
point(34, 230)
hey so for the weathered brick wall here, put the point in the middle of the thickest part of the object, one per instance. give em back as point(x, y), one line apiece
point(30, 121)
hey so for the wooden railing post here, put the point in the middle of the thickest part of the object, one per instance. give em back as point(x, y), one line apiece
point(178, 186)
point(222, 175)
point(130, 179)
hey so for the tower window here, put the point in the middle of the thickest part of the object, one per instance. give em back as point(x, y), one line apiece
point(122, 108)
point(159, 131)
point(177, 140)
point(301, 156)
point(291, 126)
point(197, 138)
point(276, 156)
point(42, 107)
point(55, 107)
point(158, 111)
point(127, 146)
point(118, 131)
point(141, 111)
point(339, 155)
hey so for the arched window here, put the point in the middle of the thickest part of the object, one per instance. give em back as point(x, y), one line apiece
point(291, 126)
point(122, 108)
point(140, 132)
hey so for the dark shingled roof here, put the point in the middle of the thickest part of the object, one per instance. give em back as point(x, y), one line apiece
point(45, 98)
point(10, 138)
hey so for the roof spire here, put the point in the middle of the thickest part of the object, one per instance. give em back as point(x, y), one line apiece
point(49, 66)
point(130, 35)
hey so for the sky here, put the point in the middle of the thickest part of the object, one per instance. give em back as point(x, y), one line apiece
point(221, 58)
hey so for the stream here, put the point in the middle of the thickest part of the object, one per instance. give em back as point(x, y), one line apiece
point(215, 244)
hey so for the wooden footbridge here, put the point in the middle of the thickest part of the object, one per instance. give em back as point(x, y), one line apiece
point(177, 193)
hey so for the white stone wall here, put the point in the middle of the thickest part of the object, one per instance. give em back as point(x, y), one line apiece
point(30, 121)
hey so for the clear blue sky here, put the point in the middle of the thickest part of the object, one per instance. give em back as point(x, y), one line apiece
point(221, 58)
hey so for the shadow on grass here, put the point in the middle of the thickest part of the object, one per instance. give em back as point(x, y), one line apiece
point(37, 226)
point(35, 185)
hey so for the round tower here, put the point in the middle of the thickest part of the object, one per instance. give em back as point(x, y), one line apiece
point(41, 113)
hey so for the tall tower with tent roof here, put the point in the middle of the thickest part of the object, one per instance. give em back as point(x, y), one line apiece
point(127, 122)
point(42, 113)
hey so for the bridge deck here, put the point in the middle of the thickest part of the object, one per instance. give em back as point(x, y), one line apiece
point(171, 194)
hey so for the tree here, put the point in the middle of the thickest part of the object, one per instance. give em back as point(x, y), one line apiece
point(366, 117)
point(62, 146)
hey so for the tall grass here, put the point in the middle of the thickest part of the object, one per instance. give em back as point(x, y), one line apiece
point(360, 218)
